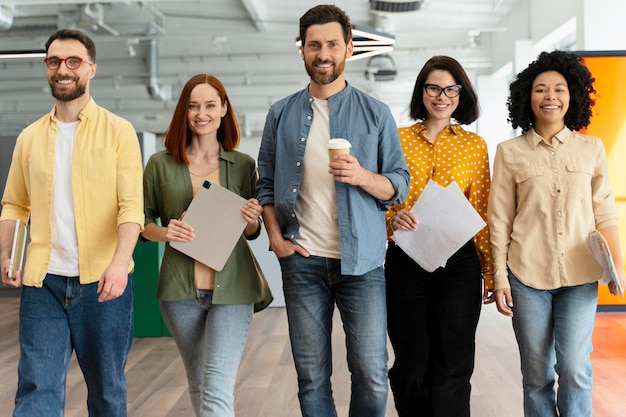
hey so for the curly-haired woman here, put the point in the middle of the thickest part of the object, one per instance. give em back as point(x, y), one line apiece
point(549, 191)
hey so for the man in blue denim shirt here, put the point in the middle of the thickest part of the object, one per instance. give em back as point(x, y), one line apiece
point(325, 219)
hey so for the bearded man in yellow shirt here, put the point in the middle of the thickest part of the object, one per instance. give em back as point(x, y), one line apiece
point(77, 173)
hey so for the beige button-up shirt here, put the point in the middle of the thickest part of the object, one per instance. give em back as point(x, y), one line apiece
point(544, 202)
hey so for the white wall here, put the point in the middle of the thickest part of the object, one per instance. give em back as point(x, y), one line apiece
point(492, 124)
point(602, 25)
point(503, 43)
point(546, 16)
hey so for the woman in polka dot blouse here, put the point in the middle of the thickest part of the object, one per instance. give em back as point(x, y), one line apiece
point(432, 316)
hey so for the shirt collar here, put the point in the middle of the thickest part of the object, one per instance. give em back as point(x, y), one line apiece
point(534, 139)
point(338, 96)
point(87, 112)
point(454, 128)
point(564, 135)
point(225, 155)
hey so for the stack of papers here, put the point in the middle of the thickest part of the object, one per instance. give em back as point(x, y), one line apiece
point(600, 250)
point(447, 221)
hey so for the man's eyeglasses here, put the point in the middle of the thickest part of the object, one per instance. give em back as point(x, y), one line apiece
point(451, 91)
point(71, 63)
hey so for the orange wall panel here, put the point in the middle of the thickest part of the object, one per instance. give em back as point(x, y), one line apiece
point(608, 122)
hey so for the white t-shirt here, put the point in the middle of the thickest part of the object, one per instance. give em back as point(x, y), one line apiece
point(316, 205)
point(64, 256)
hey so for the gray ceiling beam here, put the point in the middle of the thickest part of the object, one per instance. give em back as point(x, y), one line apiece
point(252, 7)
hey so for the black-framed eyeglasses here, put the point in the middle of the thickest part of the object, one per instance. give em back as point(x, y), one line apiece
point(72, 62)
point(451, 91)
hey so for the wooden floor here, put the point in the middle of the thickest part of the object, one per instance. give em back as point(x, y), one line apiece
point(266, 384)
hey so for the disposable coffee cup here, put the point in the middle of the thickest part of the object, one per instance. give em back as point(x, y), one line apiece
point(338, 146)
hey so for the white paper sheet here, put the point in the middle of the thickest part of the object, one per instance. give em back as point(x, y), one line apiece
point(446, 222)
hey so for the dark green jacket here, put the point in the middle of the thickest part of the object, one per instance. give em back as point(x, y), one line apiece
point(167, 194)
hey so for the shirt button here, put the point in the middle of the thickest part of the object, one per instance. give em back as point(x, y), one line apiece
point(302, 139)
point(292, 236)
point(308, 117)
point(294, 190)
point(298, 164)
point(293, 214)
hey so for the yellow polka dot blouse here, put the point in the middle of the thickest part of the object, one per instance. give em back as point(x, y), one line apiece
point(456, 155)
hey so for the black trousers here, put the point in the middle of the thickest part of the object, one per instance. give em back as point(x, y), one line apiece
point(432, 319)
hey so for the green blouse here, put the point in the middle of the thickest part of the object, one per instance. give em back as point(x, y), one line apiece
point(167, 194)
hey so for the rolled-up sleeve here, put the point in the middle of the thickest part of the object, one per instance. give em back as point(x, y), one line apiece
point(603, 200)
point(129, 178)
point(15, 199)
point(392, 163)
point(267, 160)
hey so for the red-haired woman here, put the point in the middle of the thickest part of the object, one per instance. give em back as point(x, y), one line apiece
point(208, 312)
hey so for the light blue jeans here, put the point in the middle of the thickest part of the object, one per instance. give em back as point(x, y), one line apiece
point(553, 330)
point(312, 287)
point(64, 316)
point(210, 339)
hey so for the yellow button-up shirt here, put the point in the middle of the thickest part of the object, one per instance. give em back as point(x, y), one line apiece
point(456, 155)
point(106, 186)
point(545, 201)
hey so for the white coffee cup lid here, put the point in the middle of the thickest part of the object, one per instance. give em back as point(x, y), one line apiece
point(338, 143)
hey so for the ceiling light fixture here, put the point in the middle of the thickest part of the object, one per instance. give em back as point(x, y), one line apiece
point(381, 68)
point(28, 54)
point(367, 42)
point(395, 6)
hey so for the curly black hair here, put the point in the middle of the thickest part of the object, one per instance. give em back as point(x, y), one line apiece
point(579, 83)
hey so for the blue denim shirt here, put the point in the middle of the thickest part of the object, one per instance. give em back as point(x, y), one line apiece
point(369, 126)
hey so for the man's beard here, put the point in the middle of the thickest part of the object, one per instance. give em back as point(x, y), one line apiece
point(67, 94)
point(325, 79)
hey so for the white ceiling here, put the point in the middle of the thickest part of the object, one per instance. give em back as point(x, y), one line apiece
point(248, 44)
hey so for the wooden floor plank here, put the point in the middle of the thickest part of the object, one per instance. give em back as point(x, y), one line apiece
point(267, 387)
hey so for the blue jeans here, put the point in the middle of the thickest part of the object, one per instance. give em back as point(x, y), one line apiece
point(553, 330)
point(210, 339)
point(312, 286)
point(63, 316)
